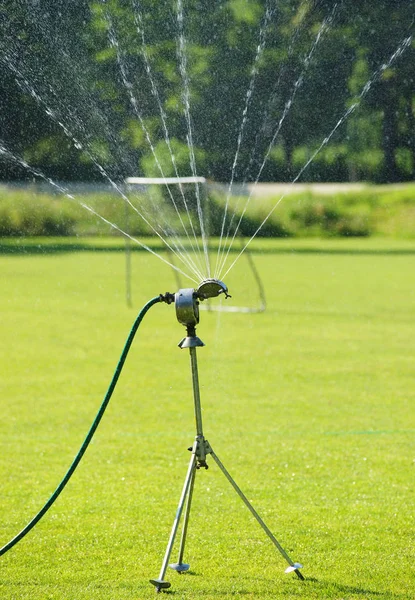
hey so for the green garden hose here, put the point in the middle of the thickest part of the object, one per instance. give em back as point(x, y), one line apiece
point(93, 428)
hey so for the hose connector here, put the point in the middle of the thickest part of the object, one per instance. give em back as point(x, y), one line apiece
point(168, 298)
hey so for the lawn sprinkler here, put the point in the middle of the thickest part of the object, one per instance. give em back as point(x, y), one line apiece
point(187, 312)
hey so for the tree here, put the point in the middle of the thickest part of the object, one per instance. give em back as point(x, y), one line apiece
point(380, 33)
point(110, 88)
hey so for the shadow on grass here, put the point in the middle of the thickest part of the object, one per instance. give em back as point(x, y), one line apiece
point(25, 248)
point(11, 246)
point(328, 589)
point(354, 590)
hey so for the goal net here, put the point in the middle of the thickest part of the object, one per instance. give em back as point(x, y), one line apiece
point(174, 199)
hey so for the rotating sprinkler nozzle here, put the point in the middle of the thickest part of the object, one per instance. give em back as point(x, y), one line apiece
point(211, 288)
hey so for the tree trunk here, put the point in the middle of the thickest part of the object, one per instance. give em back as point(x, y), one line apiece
point(390, 132)
point(289, 151)
point(411, 130)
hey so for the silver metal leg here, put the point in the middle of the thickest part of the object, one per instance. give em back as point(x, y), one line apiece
point(292, 566)
point(180, 566)
point(200, 451)
point(160, 583)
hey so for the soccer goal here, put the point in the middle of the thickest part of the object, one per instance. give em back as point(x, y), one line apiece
point(186, 196)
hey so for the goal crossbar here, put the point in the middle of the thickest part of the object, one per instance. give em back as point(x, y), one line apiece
point(161, 180)
point(147, 181)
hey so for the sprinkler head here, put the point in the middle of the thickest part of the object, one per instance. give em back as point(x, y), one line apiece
point(211, 288)
point(187, 300)
point(187, 307)
point(187, 313)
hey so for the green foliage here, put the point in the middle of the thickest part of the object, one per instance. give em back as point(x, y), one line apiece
point(160, 161)
point(365, 211)
point(30, 213)
point(35, 215)
point(244, 11)
point(361, 212)
point(83, 97)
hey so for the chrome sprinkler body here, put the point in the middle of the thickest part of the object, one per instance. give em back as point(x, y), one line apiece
point(187, 300)
point(187, 307)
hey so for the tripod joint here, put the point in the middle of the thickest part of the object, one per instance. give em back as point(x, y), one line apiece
point(201, 448)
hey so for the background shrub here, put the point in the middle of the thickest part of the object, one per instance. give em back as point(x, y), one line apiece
point(380, 210)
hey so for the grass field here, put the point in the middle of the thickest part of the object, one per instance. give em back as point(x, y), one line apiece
point(310, 405)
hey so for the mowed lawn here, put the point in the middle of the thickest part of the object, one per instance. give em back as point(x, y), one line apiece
point(310, 406)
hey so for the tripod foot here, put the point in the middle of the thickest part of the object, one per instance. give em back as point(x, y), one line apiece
point(295, 567)
point(180, 567)
point(160, 584)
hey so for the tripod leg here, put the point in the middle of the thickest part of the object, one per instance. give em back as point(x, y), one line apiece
point(180, 566)
point(292, 566)
point(160, 583)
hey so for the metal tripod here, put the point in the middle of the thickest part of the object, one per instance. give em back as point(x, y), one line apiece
point(200, 450)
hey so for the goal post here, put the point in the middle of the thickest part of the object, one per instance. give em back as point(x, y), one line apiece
point(144, 183)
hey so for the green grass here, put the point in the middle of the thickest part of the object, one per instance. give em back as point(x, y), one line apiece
point(310, 405)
